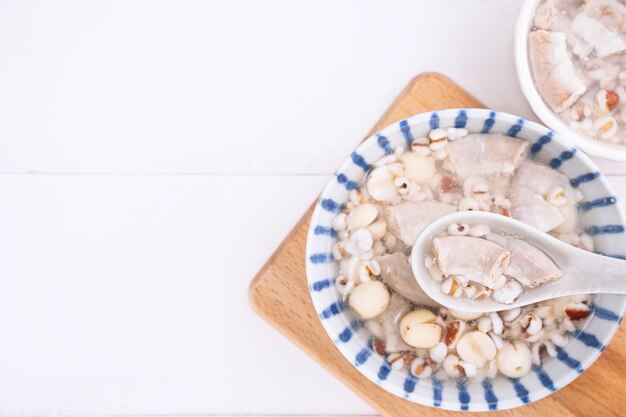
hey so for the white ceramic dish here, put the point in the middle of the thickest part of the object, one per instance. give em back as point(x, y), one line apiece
point(539, 106)
point(599, 215)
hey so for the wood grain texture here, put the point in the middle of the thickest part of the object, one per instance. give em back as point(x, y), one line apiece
point(279, 294)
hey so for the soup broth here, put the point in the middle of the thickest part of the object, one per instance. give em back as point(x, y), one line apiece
point(447, 171)
point(576, 51)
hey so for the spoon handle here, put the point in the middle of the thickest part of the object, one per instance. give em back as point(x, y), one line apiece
point(590, 273)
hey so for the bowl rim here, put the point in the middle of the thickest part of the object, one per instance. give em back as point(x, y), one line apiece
point(560, 380)
point(539, 106)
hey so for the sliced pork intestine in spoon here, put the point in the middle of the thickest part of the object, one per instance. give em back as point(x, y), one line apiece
point(553, 70)
point(470, 259)
point(528, 264)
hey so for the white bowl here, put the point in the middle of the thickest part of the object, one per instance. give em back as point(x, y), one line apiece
point(598, 209)
point(539, 106)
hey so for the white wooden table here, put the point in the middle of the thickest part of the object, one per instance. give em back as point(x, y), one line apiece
point(152, 156)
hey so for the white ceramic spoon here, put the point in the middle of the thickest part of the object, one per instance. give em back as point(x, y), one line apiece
point(584, 272)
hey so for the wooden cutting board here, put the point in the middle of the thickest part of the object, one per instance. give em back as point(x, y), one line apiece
point(279, 294)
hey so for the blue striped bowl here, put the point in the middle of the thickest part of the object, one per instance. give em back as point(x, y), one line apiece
point(599, 214)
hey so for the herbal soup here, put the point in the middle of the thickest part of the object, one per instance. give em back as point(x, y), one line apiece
point(447, 171)
point(576, 50)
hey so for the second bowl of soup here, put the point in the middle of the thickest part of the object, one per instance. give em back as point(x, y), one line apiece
point(571, 67)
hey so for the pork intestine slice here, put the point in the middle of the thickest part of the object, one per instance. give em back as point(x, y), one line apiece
point(553, 69)
point(528, 264)
point(531, 184)
point(390, 320)
point(486, 155)
point(600, 25)
point(470, 259)
point(406, 220)
point(395, 271)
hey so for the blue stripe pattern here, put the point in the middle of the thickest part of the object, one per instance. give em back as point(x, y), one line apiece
point(437, 390)
point(383, 142)
point(606, 229)
point(490, 396)
point(406, 132)
point(544, 378)
point(488, 124)
point(409, 384)
point(555, 163)
point(568, 360)
point(360, 161)
point(330, 205)
point(322, 284)
point(464, 397)
point(461, 119)
point(589, 340)
point(516, 128)
point(363, 356)
point(321, 230)
point(346, 334)
point(590, 176)
point(332, 310)
point(520, 390)
point(605, 314)
point(384, 371)
point(346, 182)
point(322, 258)
point(537, 146)
point(434, 121)
point(600, 202)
